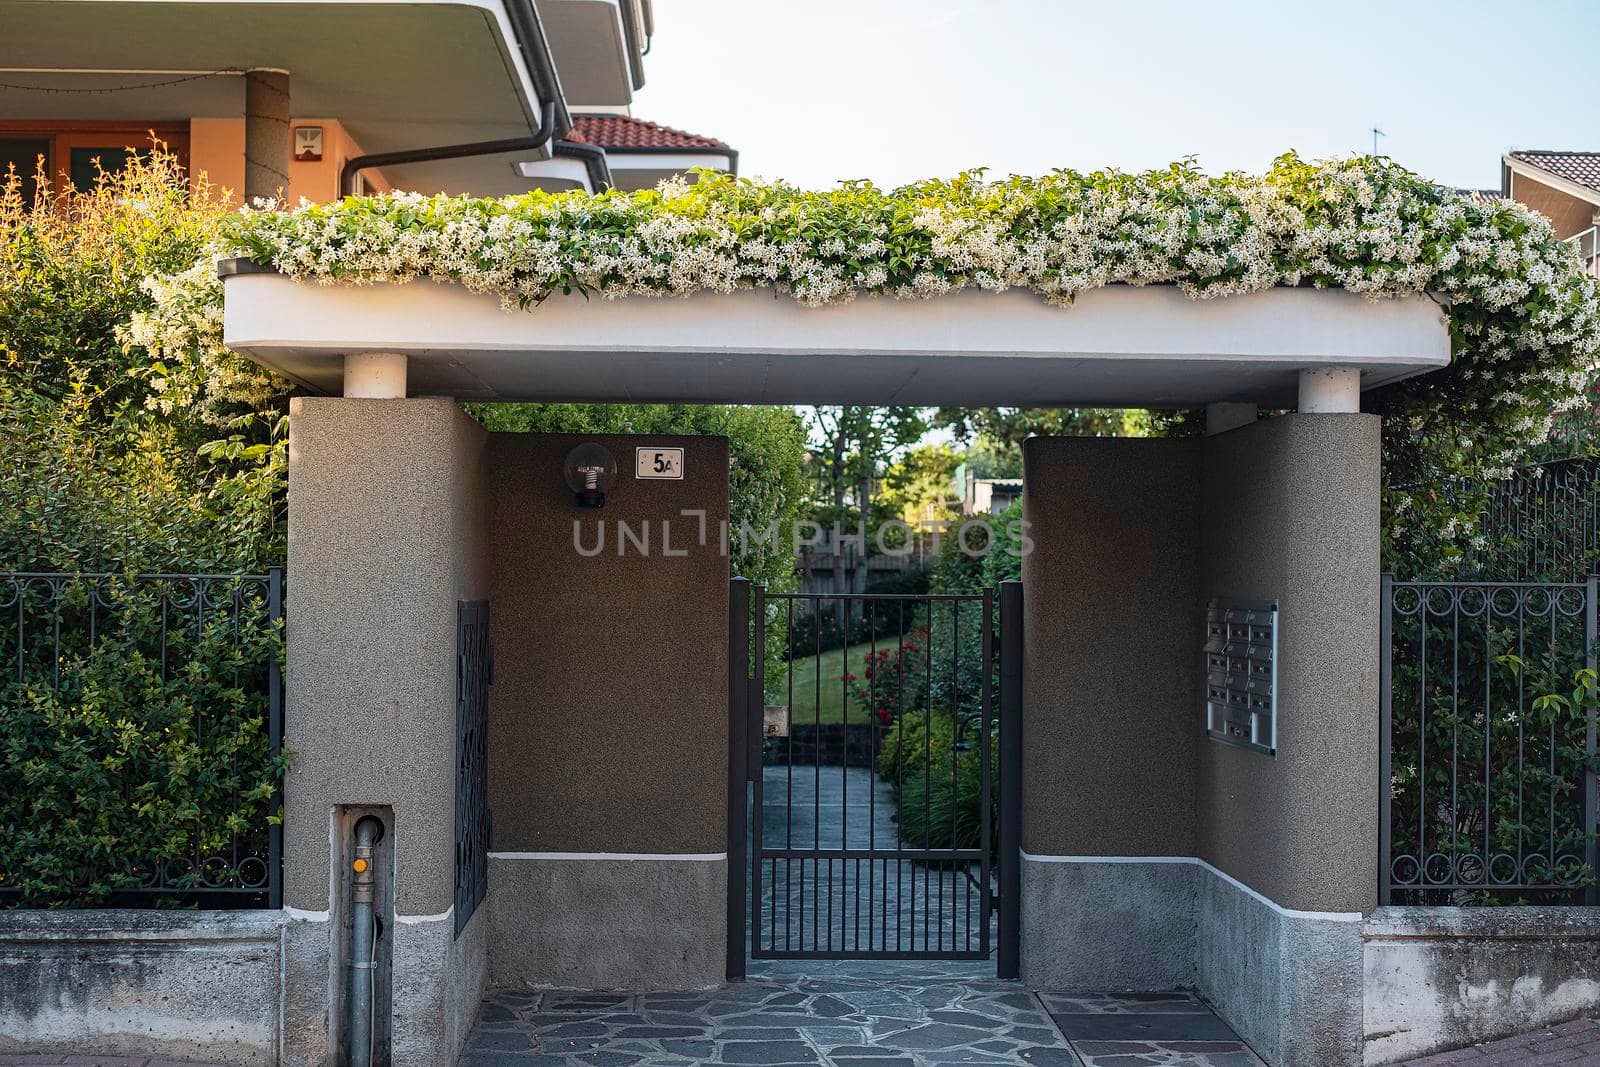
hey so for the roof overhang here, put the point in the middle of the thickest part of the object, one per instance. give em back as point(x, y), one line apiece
point(1121, 346)
point(599, 48)
point(1545, 177)
point(398, 75)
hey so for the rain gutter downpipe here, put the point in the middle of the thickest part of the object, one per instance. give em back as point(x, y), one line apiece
point(593, 158)
point(538, 139)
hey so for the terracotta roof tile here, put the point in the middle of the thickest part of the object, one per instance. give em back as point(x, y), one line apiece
point(622, 132)
point(1582, 168)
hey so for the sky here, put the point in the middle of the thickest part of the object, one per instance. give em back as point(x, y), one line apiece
point(815, 91)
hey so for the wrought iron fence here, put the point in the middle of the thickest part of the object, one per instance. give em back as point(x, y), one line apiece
point(203, 647)
point(1488, 742)
point(1540, 524)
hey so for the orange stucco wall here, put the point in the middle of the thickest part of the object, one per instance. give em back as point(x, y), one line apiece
point(1567, 213)
point(216, 149)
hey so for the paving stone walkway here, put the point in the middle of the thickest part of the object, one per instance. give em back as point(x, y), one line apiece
point(896, 1014)
point(1013, 1031)
point(857, 1015)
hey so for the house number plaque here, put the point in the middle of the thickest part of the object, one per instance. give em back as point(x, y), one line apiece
point(1242, 674)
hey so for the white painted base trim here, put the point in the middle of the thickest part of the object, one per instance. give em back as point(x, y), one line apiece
point(418, 920)
point(1323, 916)
point(686, 857)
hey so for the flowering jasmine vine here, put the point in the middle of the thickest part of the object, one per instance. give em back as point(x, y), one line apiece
point(1524, 318)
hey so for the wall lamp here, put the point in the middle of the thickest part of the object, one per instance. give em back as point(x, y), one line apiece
point(590, 470)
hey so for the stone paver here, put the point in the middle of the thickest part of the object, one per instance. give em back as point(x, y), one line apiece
point(1573, 1044)
point(1146, 1030)
point(904, 1005)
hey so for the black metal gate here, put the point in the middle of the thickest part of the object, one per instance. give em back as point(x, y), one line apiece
point(874, 775)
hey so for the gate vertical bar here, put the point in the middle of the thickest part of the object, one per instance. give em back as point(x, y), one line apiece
point(1385, 743)
point(738, 771)
point(275, 739)
point(986, 777)
point(1009, 951)
point(755, 735)
point(1592, 895)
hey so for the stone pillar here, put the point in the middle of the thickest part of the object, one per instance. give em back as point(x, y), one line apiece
point(386, 521)
point(1112, 685)
point(266, 135)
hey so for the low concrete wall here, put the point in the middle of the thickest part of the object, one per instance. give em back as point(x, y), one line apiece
point(1091, 925)
point(1288, 982)
point(1445, 978)
point(607, 923)
point(180, 985)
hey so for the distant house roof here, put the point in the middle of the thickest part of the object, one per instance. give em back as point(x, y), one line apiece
point(1482, 196)
point(622, 132)
point(1580, 168)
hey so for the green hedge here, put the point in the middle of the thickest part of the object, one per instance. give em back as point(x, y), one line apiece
point(132, 761)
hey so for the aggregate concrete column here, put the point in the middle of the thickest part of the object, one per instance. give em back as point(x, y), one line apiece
point(608, 719)
point(386, 514)
point(1291, 514)
point(1112, 685)
point(266, 134)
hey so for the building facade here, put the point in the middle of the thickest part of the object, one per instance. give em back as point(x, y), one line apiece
point(486, 98)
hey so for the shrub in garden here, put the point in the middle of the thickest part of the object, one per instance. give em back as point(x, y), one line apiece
point(914, 744)
point(943, 808)
point(104, 466)
point(127, 758)
point(149, 750)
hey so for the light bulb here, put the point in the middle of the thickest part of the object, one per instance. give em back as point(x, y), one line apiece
point(590, 470)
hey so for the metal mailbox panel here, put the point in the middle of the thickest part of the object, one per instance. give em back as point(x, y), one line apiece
point(1241, 650)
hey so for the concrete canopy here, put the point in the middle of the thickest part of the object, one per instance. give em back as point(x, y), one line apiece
point(398, 75)
point(1120, 346)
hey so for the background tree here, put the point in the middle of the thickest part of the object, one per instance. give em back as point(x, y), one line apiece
point(855, 443)
point(1011, 426)
point(920, 487)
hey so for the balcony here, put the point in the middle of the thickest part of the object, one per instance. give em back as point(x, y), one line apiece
point(1587, 242)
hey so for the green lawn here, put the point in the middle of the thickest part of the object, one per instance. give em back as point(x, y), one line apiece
point(806, 672)
point(832, 688)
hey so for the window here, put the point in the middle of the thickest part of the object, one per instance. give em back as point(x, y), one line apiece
point(22, 154)
point(71, 149)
